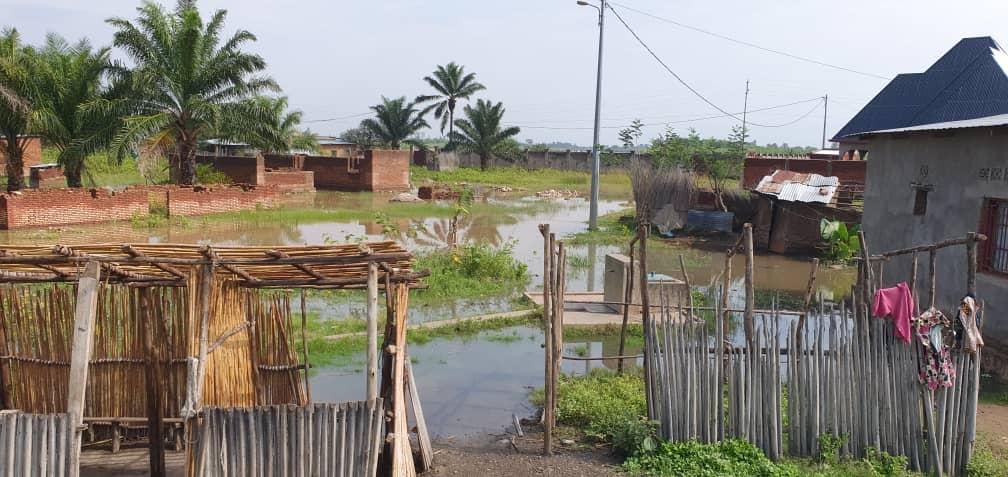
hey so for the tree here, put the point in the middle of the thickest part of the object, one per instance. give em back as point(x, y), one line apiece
point(17, 92)
point(631, 134)
point(71, 77)
point(452, 84)
point(278, 130)
point(480, 132)
point(360, 136)
point(395, 121)
point(183, 80)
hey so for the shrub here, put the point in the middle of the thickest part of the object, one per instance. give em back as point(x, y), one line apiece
point(207, 175)
point(472, 270)
point(601, 403)
point(728, 458)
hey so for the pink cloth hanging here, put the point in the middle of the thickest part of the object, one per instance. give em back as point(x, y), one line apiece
point(898, 304)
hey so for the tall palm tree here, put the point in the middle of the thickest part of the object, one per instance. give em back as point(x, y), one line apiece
point(277, 132)
point(72, 77)
point(183, 78)
point(452, 84)
point(395, 121)
point(480, 132)
point(18, 88)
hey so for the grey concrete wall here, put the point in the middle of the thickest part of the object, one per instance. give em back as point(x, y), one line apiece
point(951, 164)
point(562, 160)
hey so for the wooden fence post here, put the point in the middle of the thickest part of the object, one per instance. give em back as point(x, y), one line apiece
point(642, 236)
point(155, 414)
point(808, 301)
point(750, 288)
point(304, 346)
point(547, 340)
point(372, 331)
point(85, 311)
point(628, 274)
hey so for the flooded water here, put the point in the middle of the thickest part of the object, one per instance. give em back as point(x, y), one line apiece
point(473, 385)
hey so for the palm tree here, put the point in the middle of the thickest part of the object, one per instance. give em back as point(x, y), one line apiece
point(395, 121)
point(278, 131)
point(18, 88)
point(452, 84)
point(72, 77)
point(480, 132)
point(182, 82)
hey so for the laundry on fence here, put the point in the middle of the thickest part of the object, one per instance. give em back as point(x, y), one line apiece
point(937, 369)
point(971, 339)
point(897, 303)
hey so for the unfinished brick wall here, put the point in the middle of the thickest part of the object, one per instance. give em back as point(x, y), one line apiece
point(284, 161)
point(46, 178)
point(386, 170)
point(849, 172)
point(184, 201)
point(334, 173)
point(32, 208)
point(291, 181)
point(240, 169)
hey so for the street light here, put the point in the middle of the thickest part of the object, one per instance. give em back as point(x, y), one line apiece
point(593, 204)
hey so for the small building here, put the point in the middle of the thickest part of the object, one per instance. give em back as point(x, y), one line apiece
point(790, 208)
point(938, 170)
point(825, 162)
point(225, 147)
point(337, 147)
point(32, 155)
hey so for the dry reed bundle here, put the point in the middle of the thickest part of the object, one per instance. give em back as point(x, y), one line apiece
point(656, 186)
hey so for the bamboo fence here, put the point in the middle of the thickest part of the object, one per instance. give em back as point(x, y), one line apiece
point(836, 372)
point(33, 445)
point(335, 440)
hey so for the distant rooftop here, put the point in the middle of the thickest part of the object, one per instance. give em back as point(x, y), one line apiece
point(799, 187)
point(968, 82)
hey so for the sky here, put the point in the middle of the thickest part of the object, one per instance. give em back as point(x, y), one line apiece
point(335, 59)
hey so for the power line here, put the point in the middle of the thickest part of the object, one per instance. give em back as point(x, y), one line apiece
point(339, 118)
point(683, 82)
point(751, 45)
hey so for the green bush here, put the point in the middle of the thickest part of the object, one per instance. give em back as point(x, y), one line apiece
point(724, 459)
point(207, 175)
point(984, 463)
point(601, 403)
point(471, 270)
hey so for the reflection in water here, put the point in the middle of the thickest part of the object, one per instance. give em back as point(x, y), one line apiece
point(473, 385)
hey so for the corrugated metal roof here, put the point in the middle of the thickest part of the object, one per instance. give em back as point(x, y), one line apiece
point(986, 122)
point(968, 82)
point(799, 187)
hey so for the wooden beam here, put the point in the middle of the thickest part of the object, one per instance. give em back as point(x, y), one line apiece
point(85, 311)
point(925, 248)
point(155, 414)
point(109, 267)
point(210, 254)
point(48, 268)
point(132, 252)
point(306, 269)
point(372, 332)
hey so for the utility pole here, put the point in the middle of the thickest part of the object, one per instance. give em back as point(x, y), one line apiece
point(825, 105)
point(745, 107)
point(596, 163)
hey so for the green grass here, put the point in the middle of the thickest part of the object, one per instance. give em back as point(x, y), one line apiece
point(533, 180)
point(472, 270)
point(615, 228)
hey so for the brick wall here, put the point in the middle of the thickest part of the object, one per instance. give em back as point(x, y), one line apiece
point(32, 153)
point(31, 208)
point(291, 181)
point(847, 171)
point(212, 200)
point(386, 170)
point(46, 177)
point(284, 161)
point(240, 169)
point(332, 173)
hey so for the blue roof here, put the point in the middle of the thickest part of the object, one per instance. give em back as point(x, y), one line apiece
point(967, 82)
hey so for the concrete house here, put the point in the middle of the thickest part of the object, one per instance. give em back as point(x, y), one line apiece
point(937, 169)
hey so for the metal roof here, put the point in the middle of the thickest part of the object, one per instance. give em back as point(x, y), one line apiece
point(969, 81)
point(985, 122)
point(799, 187)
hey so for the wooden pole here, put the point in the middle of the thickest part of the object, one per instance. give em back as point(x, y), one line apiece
point(558, 316)
point(206, 285)
point(548, 341)
point(725, 286)
point(85, 311)
point(932, 276)
point(971, 263)
point(750, 289)
point(689, 288)
point(155, 414)
point(372, 331)
point(642, 236)
point(304, 345)
point(627, 300)
point(808, 302)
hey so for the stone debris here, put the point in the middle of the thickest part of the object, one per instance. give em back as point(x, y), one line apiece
point(405, 197)
point(558, 194)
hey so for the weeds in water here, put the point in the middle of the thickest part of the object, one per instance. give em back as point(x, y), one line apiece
point(580, 351)
point(472, 270)
point(504, 337)
point(578, 262)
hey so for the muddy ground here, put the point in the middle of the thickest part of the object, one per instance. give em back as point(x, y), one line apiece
point(493, 456)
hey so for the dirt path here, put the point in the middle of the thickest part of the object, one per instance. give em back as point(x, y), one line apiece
point(992, 426)
point(494, 457)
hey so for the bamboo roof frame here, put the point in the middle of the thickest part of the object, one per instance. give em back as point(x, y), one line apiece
point(310, 266)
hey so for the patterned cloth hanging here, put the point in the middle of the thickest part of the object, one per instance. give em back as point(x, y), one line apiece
point(932, 328)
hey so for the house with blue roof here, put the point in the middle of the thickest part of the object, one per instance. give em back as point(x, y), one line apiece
point(937, 156)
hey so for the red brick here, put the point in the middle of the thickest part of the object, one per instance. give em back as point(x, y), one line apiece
point(32, 208)
point(32, 153)
point(183, 201)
